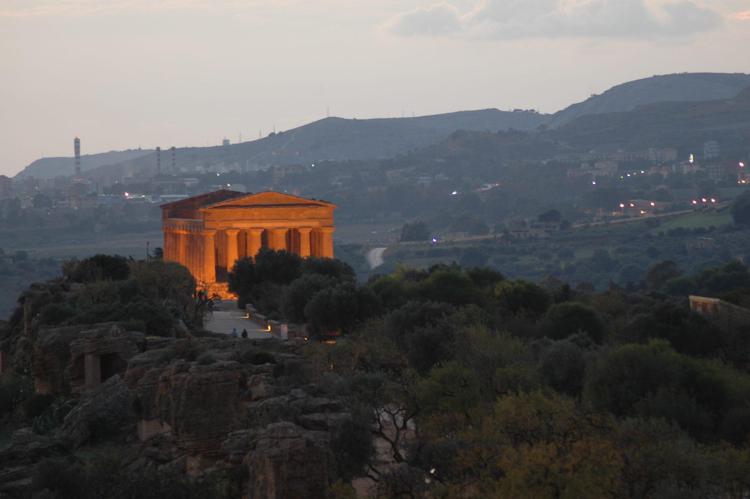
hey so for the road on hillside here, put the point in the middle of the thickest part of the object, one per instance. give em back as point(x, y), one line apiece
point(375, 257)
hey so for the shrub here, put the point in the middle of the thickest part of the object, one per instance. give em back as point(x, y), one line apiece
point(37, 404)
point(564, 320)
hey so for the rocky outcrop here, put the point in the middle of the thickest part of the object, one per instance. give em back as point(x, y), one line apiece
point(102, 412)
point(288, 462)
point(198, 403)
point(51, 356)
point(82, 356)
point(18, 460)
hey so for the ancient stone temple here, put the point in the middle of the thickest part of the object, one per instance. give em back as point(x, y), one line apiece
point(210, 232)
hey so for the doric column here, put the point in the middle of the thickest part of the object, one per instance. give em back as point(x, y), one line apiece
point(232, 251)
point(277, 239)
point(254, 241)
point(179, 250)
point(304, 241)
point(209, 256)
point(167, 246)
point(326, 242)
point(92, 370)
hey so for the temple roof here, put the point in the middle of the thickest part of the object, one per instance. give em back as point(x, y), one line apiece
point(203, 200)
point(267, 199)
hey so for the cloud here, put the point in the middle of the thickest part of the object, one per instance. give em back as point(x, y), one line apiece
point(439, 19)
point(513, 19)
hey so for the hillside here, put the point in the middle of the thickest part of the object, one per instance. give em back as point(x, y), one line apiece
point(56, 167)
point(673, 124)
point(660, 104)
point(338, 139)
point(675, 87)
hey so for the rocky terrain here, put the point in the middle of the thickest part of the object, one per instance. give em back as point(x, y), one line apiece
point(124, 412)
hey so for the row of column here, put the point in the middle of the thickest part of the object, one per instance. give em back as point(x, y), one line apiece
point(197, 250)
point(305, 241)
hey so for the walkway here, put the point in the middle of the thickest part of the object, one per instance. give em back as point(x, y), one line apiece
point(226, 316)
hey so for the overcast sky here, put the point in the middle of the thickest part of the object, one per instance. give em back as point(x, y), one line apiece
point(128, 73)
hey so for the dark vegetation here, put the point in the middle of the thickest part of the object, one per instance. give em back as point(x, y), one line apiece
point(540, 390)
point(146, 296)
point(477, 384)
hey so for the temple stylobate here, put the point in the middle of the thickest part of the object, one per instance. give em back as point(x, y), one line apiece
point(210, 232)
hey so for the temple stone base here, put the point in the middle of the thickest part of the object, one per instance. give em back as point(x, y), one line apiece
point(219, 288)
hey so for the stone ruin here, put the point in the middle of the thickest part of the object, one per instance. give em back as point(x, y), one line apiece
point(80, 358)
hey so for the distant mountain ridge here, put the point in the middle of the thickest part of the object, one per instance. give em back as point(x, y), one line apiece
point(660, 124)
point(686, 87)
point(46, 168)
point(339, 139)
point(336, 139)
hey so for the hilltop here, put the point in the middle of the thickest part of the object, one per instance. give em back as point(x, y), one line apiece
point(662, 88)
point(61, 167)
point(668, 98)
point(338, 139)
point(674, 124)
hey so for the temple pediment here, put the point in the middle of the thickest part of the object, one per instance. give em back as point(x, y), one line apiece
point(267, 200)
point(203, 200)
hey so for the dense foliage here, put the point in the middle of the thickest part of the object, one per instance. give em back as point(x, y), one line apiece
point(485, 387)
point(149, 296)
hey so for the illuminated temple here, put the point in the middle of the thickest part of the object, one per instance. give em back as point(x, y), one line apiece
point(210, 232)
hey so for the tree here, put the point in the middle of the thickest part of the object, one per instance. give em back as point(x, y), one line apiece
point(333, 310)
point(741, 209)
point(662, 272)
point(550, 216)
point(567, 319)
point(300, 292)
point(449, 388)
point(449, 286)
point(522, 297)
point(537, 445)
point(484, 277)
point(563, 366)
point(242, 278)
point(279, 267)
point(391, 291)
point(417, 231)
point(328, 267)
point(687, 332)
point(655, 381)
point(99, 267)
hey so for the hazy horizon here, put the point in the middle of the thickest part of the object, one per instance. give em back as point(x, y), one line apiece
point(130, 73)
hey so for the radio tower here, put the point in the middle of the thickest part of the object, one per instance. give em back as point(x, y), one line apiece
point(158, 160)
point(77, 150)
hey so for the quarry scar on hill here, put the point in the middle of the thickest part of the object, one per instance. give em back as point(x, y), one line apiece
point(208, 233)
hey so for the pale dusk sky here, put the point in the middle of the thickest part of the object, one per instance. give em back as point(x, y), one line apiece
point(127, 73)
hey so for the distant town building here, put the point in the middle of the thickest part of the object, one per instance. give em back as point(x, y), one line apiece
point(718, 171)
point(662, 155)
point(725, 314)
point(225, 142)
point(711, 150)
point(605, 168)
